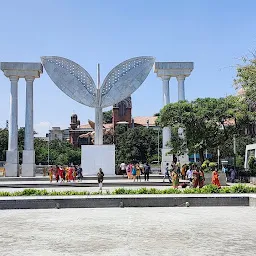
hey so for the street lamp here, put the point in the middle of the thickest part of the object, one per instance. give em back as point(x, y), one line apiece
point(48, 146)
point(158, 146)
point(234, 148)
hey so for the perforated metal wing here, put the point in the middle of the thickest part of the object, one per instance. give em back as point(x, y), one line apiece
point(124, 79)
point(72, 79)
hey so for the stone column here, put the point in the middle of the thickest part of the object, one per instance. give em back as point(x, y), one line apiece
point(12, 155)
point(181, 89)
point(166, 92)
point(184, 158)
point(166, 100)
point(28, 166)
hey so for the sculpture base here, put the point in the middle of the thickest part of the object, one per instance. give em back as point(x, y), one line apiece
point(98, 156)
point(183, 159)
point(12, 163)
point(28, 163)
point(167, 157)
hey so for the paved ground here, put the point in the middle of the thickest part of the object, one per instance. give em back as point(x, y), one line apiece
point(129, 231)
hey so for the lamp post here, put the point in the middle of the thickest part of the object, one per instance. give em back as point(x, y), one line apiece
point(234, 150)
point(158, 146)
point(48, 147)
point(218, 152)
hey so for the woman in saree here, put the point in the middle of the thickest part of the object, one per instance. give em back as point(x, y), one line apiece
point(201, 177)
point(175, 178)
point(215, 178)
point(195, 179)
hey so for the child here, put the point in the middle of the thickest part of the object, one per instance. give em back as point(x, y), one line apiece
point(100, 175)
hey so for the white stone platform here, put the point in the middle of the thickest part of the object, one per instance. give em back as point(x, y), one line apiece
point(98, 156)
point(119, 231)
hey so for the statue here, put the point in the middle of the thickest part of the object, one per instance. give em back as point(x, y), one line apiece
point(76, 82)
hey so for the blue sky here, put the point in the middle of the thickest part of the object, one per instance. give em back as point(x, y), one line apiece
point(213, 34)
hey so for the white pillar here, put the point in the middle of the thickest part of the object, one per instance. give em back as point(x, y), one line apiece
point(29, 129)
point(98, 136)
point(12, 155)
point(181, 89)
point(28, 166)
point(166, 100)
point(13, 122)
point(166, 157)
point(184, 158)
point(166, 92)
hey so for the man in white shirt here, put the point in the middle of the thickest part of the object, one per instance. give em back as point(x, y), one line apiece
point(123, 168)
point(190, 174)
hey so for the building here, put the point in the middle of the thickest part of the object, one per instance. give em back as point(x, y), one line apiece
point(78, 134)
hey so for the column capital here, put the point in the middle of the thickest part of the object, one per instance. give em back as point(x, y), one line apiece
point(14, 78)
point(166, 78)
point(180, 77)
point(29, 78)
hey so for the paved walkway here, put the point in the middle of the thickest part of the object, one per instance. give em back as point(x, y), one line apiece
point(229, 231)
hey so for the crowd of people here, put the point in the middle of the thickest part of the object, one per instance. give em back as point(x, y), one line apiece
point(65, 174)
point(135, 170)
point(193, 173)
point(173, 173)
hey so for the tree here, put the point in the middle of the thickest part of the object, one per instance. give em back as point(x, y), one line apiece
point(3, 143)
point(207, 123)
point(137, 144)
point(61, 152)
point(246, 78)
point(107, 117)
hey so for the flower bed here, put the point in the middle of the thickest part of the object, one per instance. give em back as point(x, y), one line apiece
point(208, 189)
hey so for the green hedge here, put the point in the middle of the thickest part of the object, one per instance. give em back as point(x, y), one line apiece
point(208, 189)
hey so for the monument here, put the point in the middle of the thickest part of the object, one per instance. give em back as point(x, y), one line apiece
point(119, 84)
point(166, 70)
point(14, 71)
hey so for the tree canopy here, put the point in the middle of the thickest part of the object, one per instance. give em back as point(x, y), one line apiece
point(207, 123)
point(136, 144)
point(107, 117)
point(246, 78)
point(60, 152)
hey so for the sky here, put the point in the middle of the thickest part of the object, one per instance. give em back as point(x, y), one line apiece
point(214, 34)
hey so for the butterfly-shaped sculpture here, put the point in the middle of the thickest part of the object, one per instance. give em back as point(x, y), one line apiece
point(76, 82)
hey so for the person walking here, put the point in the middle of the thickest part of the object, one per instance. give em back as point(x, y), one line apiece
point(80, 173)
point(175, 177)
point(133, 172)
point(183, 171)
point(166, 174)
point(123, 168)
point(201, 177)
point(195, 175)
point(57, 174)
point(100, 175)
point(129, 171)
point(138, 172)
point(232, 175)
point(61, 173)
point(146, 171)
point(50, 174)
point(215, 178)
point(190, 175)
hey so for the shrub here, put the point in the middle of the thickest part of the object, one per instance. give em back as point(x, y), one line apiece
point(212, 164)
point(208, 189)
point(239, 188)
point(204, 166)
point(206, 162)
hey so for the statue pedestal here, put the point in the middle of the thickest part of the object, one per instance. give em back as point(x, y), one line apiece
point(98, 156)
point(167, 157)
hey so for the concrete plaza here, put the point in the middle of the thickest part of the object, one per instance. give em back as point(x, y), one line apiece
point(129, 231)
